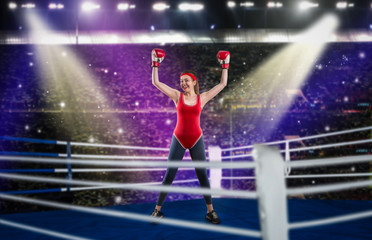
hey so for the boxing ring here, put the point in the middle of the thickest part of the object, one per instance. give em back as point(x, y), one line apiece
point(263, 213)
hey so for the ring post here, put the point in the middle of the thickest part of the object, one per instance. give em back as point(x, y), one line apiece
point(215, 174)
point(272, 200)
point(287, 169)
point(69, 173)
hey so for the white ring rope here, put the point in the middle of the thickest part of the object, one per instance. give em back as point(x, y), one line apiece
point(40, 230)
point(330, 220)
point(113, 157)
point(328, 187)
point(238, 178)
point(331, 134)
point(108, 187)
point(334, 175)
point(235, 165)
point(251, 146)
point(112, 146)
point(89, 170)
point(194, 164)
point(339, 175)
point(306, 148)
point(83, 144)
point(303, 138)
point(135, 186)
point(330, 145)
point(138, 217)
point(203, 191)
point(237, 156)
point(329, 161)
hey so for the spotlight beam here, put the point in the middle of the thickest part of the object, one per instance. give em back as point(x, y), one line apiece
point(289, 67)
point(63, 71)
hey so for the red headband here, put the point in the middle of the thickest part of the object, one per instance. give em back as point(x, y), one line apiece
point(190, 75)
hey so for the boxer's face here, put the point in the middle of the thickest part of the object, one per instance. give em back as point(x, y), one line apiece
point(187, 83)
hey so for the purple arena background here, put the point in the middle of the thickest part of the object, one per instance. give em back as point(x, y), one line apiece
point(337, 96)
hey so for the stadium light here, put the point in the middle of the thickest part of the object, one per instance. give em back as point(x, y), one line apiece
point(247, 4)
point(160, 6)
point(12, 5)
point(274, 4)
point(231, 4)
point(89, 6)
point(344, 5)
point(341, 5)
point(28, 5)
point(123, 6)
point(190, 7)
point(306, 5)
point(57, 6)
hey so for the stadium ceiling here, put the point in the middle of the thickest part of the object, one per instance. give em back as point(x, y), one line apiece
point(165, 21)
point(183, 14)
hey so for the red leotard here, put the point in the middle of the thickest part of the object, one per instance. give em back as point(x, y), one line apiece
point(188, 129)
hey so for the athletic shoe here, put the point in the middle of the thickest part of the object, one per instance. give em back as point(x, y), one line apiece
point(156, 214)
point(213, 218)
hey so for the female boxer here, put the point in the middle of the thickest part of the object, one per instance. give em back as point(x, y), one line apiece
point(188, 134)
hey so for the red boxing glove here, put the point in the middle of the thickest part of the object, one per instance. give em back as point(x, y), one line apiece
point(223, 58)
point(157, 56)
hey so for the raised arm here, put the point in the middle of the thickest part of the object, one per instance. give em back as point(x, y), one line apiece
point(224, 58)
point(157, 56)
